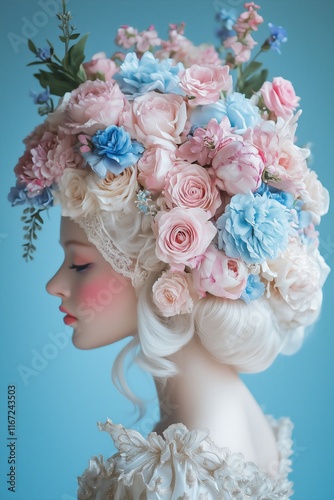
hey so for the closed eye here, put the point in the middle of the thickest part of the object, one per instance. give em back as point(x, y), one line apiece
point(79, 268)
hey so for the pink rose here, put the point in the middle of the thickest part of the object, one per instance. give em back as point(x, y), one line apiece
point(203, 84)
point(100, 64)
point(220, 275)
point(93, 106)
point(279, 96)
point(171, 293)
point(188, 185)
point(153, 167)
point(237, 167)
point(156, 119)
point(182, 235)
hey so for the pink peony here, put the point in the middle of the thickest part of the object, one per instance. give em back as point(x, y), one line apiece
point(93, 106)
point(203, 84)
point(171, 293)
point(100, 64)
point(153, 167)
point(220, 275)
point(237, 167)
point(279, 97)
point(201, 147)
point(156, 119)
point(285, 165)
point(242, 50)
point(189, 186)
point(182, 235)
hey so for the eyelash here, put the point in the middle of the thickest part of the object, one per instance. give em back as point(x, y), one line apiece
point(79, 268)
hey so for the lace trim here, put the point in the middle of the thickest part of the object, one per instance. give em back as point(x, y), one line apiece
point(97, 234)
point(143, 468)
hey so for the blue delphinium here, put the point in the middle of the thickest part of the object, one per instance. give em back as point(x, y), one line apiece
point(113, 150)
point(42, 97)
point(138, 76)
point(227, 19)
point(253, 290)
point(278, 35)
point(241, 112)
point(254, 228)
point(18, 195)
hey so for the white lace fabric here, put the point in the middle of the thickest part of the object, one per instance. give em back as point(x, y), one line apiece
point(183, 465)
point(97, 234)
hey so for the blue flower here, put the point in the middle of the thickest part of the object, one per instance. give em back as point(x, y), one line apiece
point(254, 228)
point(286, 199)
point(138, 76)
point(254, 289)
point(41, 98)
point(44, 54)
point(278, 35)
point(18, 195)
point(227, 18)
point(241, 112)
point(201, 115)
point(113, 150)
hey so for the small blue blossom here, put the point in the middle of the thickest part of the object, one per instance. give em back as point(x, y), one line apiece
point(41, 98)
point(227, 18)
point(139, 76)
point(44, 54)
point(19, 195)
point(144, 202)
point(241, 112)
point(254, 228)
point(278, 35)
point(254, 288)
point(113, 150)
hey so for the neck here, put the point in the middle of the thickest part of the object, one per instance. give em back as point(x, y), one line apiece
point(209, 395)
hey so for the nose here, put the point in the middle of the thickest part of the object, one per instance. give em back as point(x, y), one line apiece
point(58, 285)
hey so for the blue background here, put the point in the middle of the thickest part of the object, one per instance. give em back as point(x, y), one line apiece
point(66, 391)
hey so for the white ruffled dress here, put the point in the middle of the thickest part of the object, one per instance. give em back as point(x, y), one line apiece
point(183, 465)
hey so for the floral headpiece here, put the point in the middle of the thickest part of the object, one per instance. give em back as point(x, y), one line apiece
point(212, 164)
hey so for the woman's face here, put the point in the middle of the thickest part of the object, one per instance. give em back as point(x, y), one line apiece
point(99, 303)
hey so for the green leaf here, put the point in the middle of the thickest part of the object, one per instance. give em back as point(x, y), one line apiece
point(254, 83)
point(62, 38)
point(32, 46)
point(74, 36)
point(251, 68)
point(75, 56)
point(39, 218)
point(36, 62)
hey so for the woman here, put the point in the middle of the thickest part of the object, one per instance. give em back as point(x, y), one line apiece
point(188, 224)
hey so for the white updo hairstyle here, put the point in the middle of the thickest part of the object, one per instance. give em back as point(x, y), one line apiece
point(245, 336)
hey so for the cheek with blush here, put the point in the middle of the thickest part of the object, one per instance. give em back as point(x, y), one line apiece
point(100, 293)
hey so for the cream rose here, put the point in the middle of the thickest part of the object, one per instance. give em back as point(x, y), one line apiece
point(316, 196)
point(114, 192)
point(294, 290)
point(73, 195)
point(171, 293)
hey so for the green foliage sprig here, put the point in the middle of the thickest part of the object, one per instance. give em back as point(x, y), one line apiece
point(32, 223)
point(66, 74)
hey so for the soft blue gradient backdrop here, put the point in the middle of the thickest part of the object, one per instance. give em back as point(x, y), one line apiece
point(60, 400)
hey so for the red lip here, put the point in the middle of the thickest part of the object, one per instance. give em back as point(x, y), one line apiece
point(68, 319)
